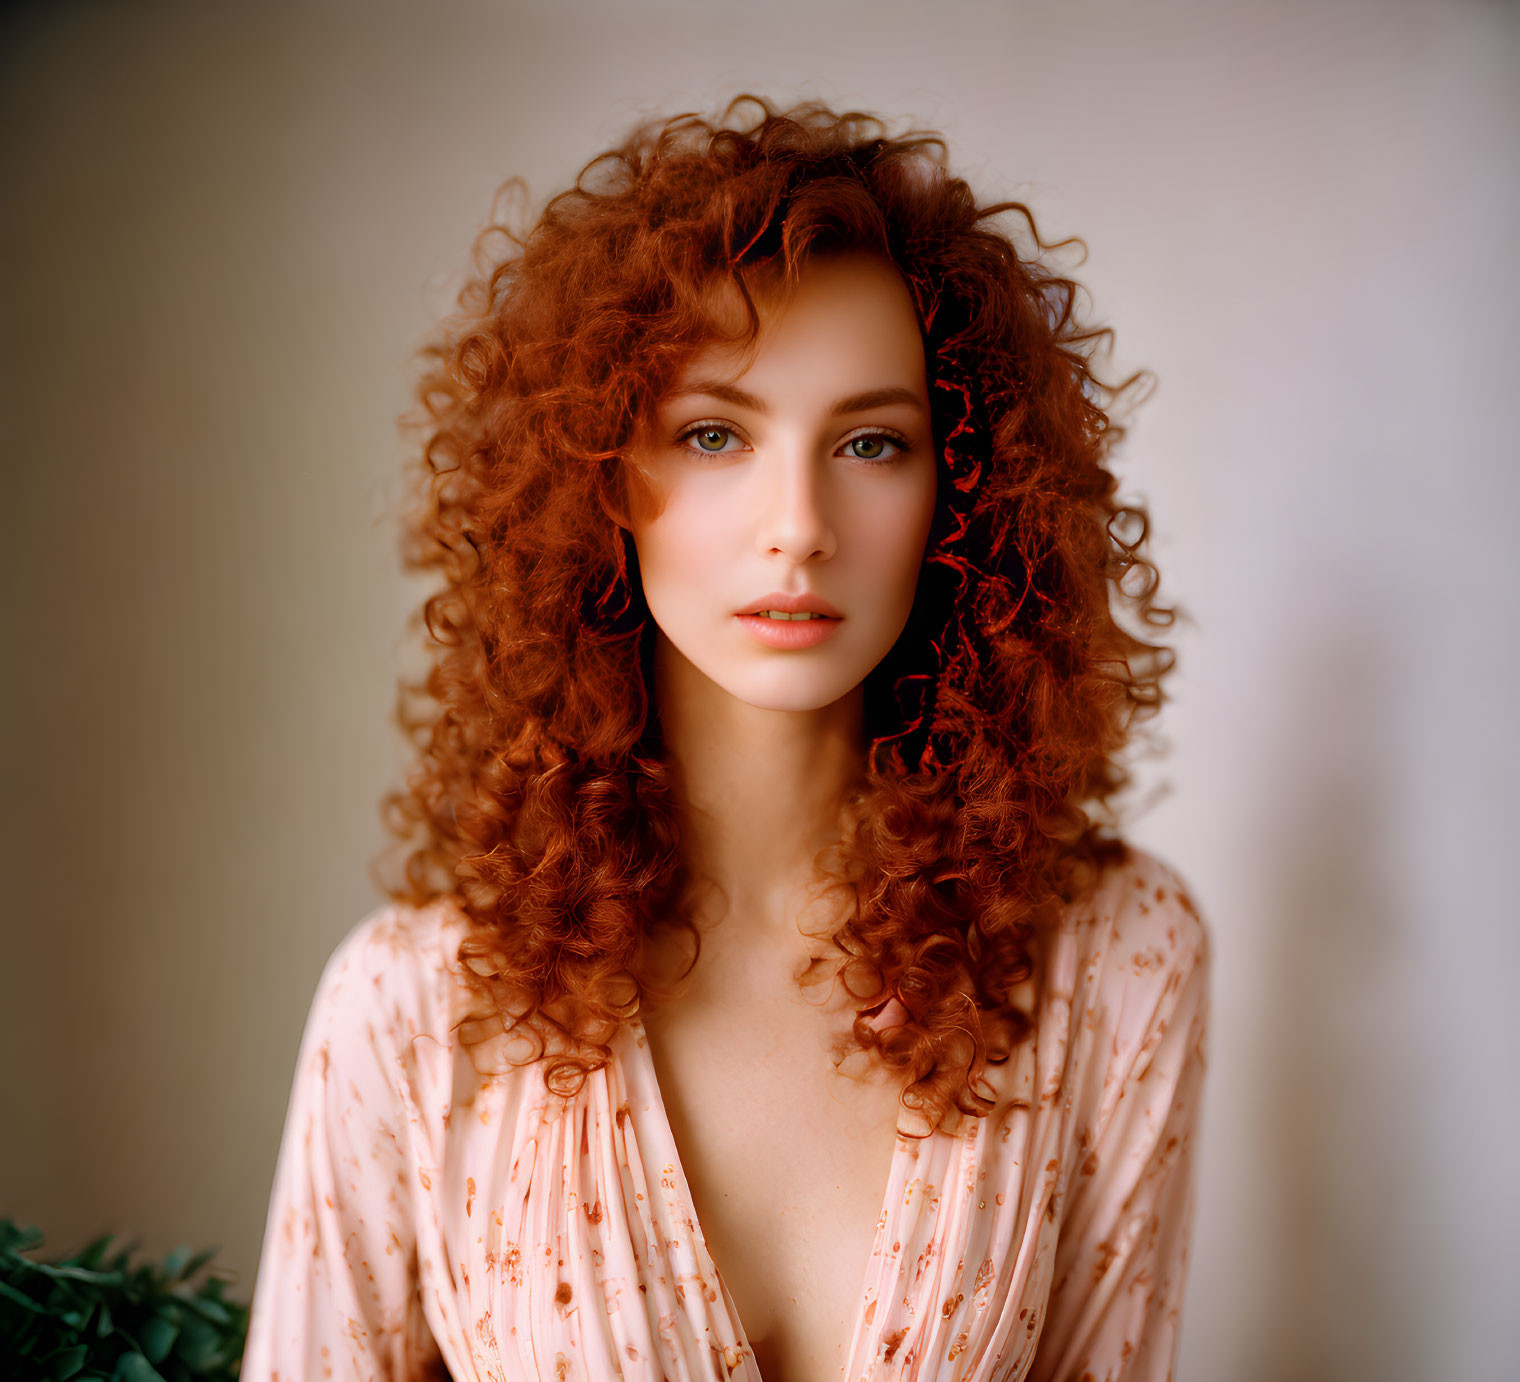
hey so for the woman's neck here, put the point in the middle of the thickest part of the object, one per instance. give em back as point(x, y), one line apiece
point(758, 791)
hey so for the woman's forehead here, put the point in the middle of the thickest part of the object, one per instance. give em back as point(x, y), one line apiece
point(731, 345)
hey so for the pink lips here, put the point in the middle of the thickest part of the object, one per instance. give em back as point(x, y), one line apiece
point(791, 633)
point(805, 603)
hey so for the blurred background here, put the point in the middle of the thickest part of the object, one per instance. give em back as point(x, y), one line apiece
point(227, 228)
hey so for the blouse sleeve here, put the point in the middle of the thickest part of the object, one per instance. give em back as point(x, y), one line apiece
point(336, 1294)
point(1115, 1307)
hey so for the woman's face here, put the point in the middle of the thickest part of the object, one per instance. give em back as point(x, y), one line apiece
point(803, 471)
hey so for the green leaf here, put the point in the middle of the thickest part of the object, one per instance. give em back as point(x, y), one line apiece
point(199, 1344)
point(95, 1253)
point(62, 1319)
point(13, 1238)
point(68, 1362)
point(10, 1293)
point(198, 1261)
point(77, 1274)
point(213, 1311)
point(133, 1367)
point(158, 1337)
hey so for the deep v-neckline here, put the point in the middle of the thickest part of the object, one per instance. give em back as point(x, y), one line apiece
point(654, 1133)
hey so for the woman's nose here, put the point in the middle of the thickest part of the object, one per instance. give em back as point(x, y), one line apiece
point(797, 508)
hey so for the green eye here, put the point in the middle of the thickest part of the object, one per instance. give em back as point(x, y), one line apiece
point(712, 438)
point(875, 446)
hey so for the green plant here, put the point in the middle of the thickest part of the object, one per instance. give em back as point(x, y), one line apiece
point(95, 1320)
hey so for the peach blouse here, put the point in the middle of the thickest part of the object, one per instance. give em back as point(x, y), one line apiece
point(428, 1221)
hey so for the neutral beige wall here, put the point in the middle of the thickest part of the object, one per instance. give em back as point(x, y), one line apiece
point(225, 229)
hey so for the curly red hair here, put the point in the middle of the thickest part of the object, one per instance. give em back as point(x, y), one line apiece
point(541, 805)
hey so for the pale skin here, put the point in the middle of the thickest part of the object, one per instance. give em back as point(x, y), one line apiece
point(761, 485)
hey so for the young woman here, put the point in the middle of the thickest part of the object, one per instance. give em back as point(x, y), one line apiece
point(768, 991)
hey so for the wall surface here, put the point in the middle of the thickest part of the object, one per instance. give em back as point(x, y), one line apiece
point(225, 230)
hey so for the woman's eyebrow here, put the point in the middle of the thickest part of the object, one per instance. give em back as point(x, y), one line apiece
point(855, 403)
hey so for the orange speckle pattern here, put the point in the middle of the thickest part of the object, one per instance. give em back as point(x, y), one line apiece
point(1046, 1242)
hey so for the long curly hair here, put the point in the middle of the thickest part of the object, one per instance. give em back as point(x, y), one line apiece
point(541, 803)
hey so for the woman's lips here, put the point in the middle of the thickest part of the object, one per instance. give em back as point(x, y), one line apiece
point(805, 601)
point(788, 633)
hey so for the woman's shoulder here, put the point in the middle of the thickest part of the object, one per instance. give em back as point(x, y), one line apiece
point(394, 968)
point(1140, 955)
point(1115, 967)
point(1139, 919)
point(1126, 955)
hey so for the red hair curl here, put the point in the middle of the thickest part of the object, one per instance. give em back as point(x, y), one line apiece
point(541, 805)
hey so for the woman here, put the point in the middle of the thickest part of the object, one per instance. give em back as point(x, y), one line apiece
point(768, 991)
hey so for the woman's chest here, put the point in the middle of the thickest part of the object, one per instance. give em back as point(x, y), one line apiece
point(788, 1162)
point(708, 1204)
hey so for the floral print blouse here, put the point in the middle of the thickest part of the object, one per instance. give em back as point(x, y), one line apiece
point(428, 1221)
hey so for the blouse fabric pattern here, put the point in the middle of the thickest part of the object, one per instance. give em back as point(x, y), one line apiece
point(431, 1222)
